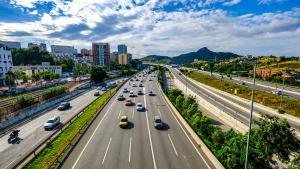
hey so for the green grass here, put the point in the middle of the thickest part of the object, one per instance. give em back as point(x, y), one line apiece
point(290, 106)
point(47, 156)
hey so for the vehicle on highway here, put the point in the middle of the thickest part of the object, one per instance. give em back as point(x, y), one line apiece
point(150, 79)
point(123, 122)
point(52, 122)
point(128, 102)
point(13, 136)
point(121, 98)
point(151, 93)
point(131, 94)
point(140, 92)
point(103, 89)
point(134, 85)
point(243, 83)
point(99, 88)
point(140, 85)
point(137, 80)
point(157, 122)
point(64, 106)
point(97, 93)
point(125, 90)
point(131, 79)
point(139, 107)
point(277, 92)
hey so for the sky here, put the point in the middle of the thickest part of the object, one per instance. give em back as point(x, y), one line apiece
point(163, 27)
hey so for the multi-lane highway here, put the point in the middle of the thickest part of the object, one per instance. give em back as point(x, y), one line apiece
point(260, 85)
point(32, 132)
point(106, 145)
point(239, 109)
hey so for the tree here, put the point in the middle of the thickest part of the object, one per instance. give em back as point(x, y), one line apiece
point(211, 66)
point(31, 56)
point(97, 74)
point(10, 79)
point(295, 163)
point(272, 137)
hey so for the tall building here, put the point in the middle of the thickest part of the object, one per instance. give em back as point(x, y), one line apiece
point(59, 51)
point(122, 48)
point(123, 59)
point(43, 47)
point(6, 63)
point(101, 54)
point(86, 52)
point(129, 58)
point(114, 57)
point(11, 45)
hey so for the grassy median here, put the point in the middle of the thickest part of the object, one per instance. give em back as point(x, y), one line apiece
point(289, 106)
point(48, 156)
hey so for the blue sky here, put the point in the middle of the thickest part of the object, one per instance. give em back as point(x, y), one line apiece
point(166, 27)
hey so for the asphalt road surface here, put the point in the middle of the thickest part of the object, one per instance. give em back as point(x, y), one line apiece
point(140, 146)
point(32, 132)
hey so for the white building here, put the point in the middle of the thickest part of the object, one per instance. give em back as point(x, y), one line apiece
point(31, 69)
point(59, 52)
point(5, 62)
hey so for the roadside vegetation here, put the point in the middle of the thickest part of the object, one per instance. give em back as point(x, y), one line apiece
point(272, 138)
point(47, 158)
point(289, 106)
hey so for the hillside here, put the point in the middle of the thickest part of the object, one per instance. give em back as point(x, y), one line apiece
point(201, 54)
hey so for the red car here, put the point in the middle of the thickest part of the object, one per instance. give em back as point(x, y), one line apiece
point(128, 102)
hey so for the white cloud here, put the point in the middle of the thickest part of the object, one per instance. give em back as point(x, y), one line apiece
point(146, 31)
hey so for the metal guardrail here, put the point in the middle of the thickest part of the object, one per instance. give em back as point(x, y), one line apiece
point(29, 156)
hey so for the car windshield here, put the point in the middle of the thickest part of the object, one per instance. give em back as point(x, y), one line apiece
point(50, 121)
point(157, 121)
point(123, 120)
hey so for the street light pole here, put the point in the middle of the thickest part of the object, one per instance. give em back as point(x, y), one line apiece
point(250, 119)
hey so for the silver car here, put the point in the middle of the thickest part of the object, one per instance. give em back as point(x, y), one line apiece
point(52, 122)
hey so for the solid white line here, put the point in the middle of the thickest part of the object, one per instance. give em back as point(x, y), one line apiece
point(159, 112)
point(133, 113)
point(106, 151)
point(186, 134)
point(151, 146)
point(119, 114)
point(129, 156)
point(92, 135)
point(172, 144)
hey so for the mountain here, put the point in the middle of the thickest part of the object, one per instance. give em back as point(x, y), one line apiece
point(202, 54)
point(157, 59)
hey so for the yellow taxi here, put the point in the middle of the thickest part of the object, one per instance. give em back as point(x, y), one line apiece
point(123, 122)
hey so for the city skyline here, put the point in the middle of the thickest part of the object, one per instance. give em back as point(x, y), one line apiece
point(171, 27)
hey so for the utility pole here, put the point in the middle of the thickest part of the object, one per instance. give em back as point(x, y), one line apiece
point(250, 119)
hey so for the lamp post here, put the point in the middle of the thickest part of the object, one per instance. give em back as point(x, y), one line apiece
point(250, 119)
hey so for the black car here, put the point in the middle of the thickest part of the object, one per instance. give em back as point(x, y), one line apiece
point(157, 122)
point(140, 85)
point(97, 94)
point(140, 92)
point(121, 98)
point(64, 106)
point(151, 93)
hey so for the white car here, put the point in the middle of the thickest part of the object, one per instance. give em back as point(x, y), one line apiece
point(278, 92)
point(52, 122)
point(139, 107)
point(131, 94)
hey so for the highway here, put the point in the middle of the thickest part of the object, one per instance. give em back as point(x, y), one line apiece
point(239, 110)
point(265, 86)
point(32, 132)
point(140, 146)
